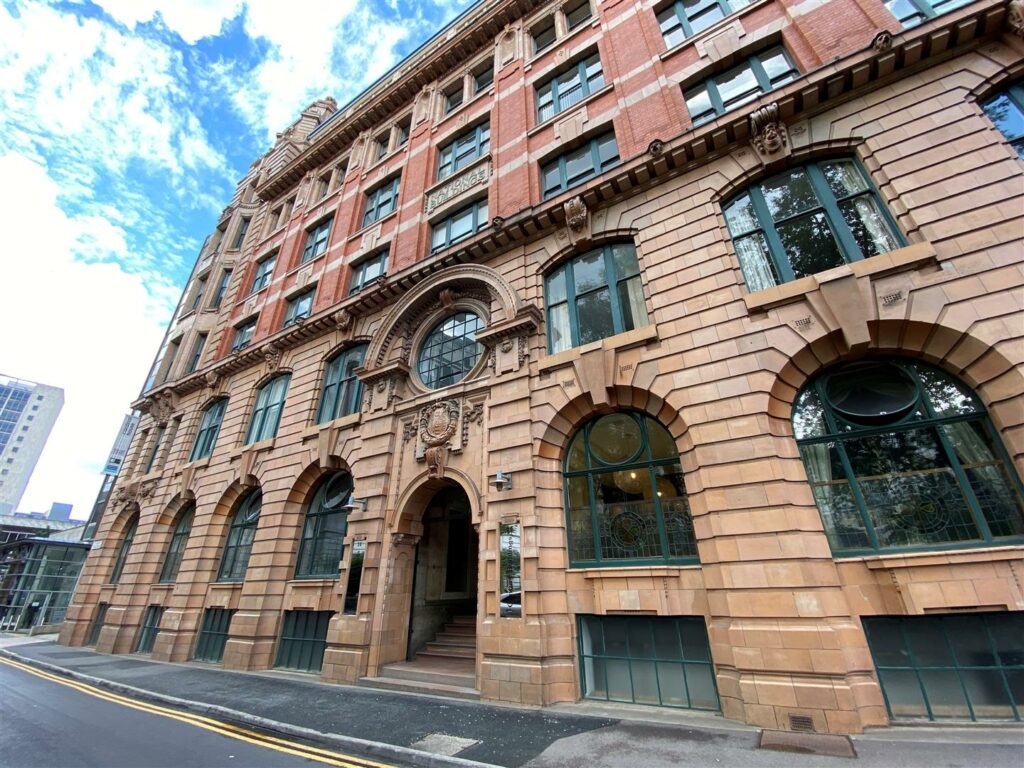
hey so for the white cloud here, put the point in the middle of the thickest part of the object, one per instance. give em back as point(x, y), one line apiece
point(90, 328)
point(191, 19)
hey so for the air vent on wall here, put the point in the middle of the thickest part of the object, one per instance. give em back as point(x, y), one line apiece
point(801, 724)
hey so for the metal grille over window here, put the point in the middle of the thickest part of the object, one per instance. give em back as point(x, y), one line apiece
point(902, 456)
point(323, 536)
point(238, 546)
point(303, 640)
point(807, 220)
point(150, 627)
point(213, 635)
point(663, 661)
point(625, 495)
point(962, 667)
point(450, 350)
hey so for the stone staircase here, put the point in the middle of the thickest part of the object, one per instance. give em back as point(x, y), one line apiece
point(445, 667)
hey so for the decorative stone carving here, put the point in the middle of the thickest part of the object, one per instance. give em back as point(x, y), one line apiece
point(447, 297)
point(498, 223)
point(768, 133)
point(882, 41)
point(1015, 17)
point(409, 430)
point(342, 319)
point(272, 356)
point(161, 406)
point(576, 214)
point(656, 147)
point(421, 107)
point(212, 379)
point(506, 345)
point(507, 48)
point(458, 185)
point(438, 423)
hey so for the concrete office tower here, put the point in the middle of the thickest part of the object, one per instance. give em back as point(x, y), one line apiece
point(27, 414)
point(636, 351)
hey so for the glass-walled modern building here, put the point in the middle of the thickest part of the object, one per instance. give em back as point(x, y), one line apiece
point(37, 579)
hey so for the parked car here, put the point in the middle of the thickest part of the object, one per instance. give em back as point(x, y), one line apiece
point(512, 604)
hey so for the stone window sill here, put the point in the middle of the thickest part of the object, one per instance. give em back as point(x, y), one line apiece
point(900, 260)
point(641, 571)
point(262, 445)
point(625, 340)
point(924, 559)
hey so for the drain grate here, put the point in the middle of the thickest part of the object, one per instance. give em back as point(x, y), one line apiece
point(801, 724)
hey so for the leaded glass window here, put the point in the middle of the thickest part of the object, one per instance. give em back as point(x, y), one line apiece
point(209, 428)
point(807, 220)
point(241, 533)
point(266, 414)
point(625, 499)
point(182, 529)
point(759, 74)
point(342, 389)
point(1006, 111)
point(596, 295)
point(450, 350)
point(323, 535)
point(900, 456)
point(122, 551)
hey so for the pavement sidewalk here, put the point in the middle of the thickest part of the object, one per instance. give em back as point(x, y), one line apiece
point(431, 731)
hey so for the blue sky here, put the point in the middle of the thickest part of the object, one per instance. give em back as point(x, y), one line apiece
point(124, 126)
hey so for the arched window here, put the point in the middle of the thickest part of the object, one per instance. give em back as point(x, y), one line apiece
point(266, 414)
point(450, 350)
point(209, 428)
point(901, 455)
point(624, 494)
point(122, 552)
point(807, 220)
point(238, 547)
point(179, 538)
point(342, 390)
point(323, 535)
point(596, 295)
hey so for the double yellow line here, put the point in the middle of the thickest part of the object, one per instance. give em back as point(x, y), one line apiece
point(207, 723)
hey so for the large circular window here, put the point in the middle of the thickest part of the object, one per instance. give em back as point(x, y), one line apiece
point(450, 350)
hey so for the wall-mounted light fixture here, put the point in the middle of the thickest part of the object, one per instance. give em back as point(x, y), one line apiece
point(502, 481)
point(355, 504)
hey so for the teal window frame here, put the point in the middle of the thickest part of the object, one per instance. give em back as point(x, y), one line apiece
point(243, 335)
point(543, 35)
point(463, 150)
point(150, 628)
point(316, 241)
point(322, 545)
point(569, 87)
point(402, 133)
point(691, 657)
point(264, 272)
point(197, 352)
point(1011, 98)
point(679, 22)
point(209, 429)
point(243, 228)
point(483, 77)
point(381, 201)
point(213, 635)
point(234, 560)
point(643, 460)
point(299, 307)
point(176, 549)
point(454, 96)
point(837, 430)
point(574, 18)
point(200, 290)
point(303, 640)
point(122, 551)
point(154, 452)
point(910, 13)
point(827, 203)
point(342, 392)
point(266, 412)
point(446, 360)
point(765, 84)
point(559, 167)
point(97, 624)
point(222, 288)
point(926, 671)
point(555, 298)
point(441, 236)
point(368, 271)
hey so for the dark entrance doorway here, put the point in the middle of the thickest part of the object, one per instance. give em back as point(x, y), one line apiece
point(444, 584)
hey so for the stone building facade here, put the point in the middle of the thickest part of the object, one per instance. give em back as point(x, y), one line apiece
point(680, 349)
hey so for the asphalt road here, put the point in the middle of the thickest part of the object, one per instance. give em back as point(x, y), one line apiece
point(46, 724)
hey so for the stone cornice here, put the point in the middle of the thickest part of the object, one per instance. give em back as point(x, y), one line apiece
point(825, 87)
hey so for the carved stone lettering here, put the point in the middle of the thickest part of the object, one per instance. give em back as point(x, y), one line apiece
point(457, 186)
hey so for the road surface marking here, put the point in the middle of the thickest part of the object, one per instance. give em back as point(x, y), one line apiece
point(207, 723)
